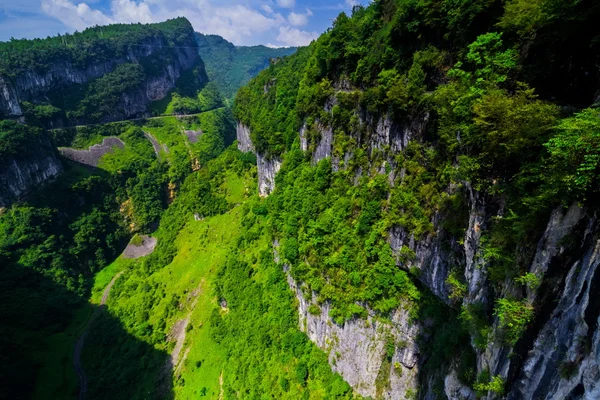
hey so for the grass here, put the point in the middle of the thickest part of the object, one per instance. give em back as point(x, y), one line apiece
point(202, 247)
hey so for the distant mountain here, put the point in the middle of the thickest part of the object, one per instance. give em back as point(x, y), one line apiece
point(232, 66)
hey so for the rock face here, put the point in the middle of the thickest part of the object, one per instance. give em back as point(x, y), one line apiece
point(243, 138)
point(21, 172)
point(36, 86)
point(267, 167)
point(559, 355)
point(357, 350)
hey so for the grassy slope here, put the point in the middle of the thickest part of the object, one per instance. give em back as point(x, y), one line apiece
point(57, 379)
point(202, 247)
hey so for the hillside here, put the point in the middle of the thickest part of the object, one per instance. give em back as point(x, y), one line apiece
point(232, 66)
point(433, 168)
point(409, 212)
point(99, 75)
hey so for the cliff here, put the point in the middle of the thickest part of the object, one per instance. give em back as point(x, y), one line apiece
point(63, 75)
point(33, 165)
point(557, 356)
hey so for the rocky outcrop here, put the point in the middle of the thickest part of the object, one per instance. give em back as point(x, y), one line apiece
point(267, 169)
point(358, 349)
point(33, 166)
point(243, 138)
point(564, 361)
point(558, 357)
point(267, 166)
point(37, 86)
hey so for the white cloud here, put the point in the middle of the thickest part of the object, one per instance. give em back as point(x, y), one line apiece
point(286, 3)
point(351, 3)
point(294, 37)
point(78, 16)
point(299, 19)
point(240, 24)
point(130, 11)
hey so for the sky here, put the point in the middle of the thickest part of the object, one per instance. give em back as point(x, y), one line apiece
point(273, 23)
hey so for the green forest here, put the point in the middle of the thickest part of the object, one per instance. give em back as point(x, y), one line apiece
point(230, 66)
point(465, 126)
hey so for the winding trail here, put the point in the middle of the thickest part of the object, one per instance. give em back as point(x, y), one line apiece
point(81, 341)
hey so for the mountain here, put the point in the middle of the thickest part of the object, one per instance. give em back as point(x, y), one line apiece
point(410, 211)
point(431, 174)
point(233, 66)
point(72, 197)
point(99, 75)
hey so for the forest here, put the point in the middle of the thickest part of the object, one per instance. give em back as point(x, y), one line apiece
point(435, 160)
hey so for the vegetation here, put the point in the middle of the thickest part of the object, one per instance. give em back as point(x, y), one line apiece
point(476, 119)
point(231, 67)
point(14, 137)
point(92, 46)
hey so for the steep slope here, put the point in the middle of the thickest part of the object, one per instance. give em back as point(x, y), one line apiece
point(27, 159)
point(417, 184)
point(233, 66)
point(101, 74)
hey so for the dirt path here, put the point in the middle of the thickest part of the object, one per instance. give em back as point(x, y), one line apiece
point(81, 341)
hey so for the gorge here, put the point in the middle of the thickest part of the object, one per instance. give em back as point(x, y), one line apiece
point(406, 208)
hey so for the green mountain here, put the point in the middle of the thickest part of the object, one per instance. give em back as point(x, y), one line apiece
point(232, 66)
point(432, 168)
point(410, 211)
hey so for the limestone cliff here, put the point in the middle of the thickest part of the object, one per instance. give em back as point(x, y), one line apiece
point(163, 63)
point(267, 166)
point(34, 165)
point(558, 357)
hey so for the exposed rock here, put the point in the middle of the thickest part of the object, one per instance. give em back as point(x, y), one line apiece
point(94, 153)
point(193, 136)
point(140, 250)
point(456, 390)
point(565, 359)
point(267, 169)
point(267, 166)
point(431, 258)
point(357, 349)
point(243, 138)
point(36, 165)
point(324, 148)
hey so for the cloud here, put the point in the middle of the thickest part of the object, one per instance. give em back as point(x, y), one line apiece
point(294, 37)
point(286, 3)
point(242, 23)
point(299, 19)
point(130, 11)
point(351, 3)
point(78, 16)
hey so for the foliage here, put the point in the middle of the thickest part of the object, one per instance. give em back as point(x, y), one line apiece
point(530, 280)
point(16, 138)
point(231, 67)
point(486, 383)
point(514, 318)
point(575, 152)
point(91, 46)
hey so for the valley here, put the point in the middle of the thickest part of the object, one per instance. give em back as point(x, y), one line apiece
point(406, 208)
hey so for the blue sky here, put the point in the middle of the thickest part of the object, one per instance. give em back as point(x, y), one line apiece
point(243, 22)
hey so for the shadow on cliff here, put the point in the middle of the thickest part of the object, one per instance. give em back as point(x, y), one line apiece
point(40, 323)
